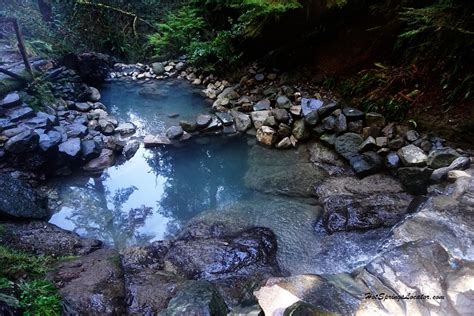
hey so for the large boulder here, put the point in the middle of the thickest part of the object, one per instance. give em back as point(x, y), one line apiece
point(92, 284)
point(93, 68)
point(19, 201)
point(443, 157)
point(23, 142)
point(415, 179)
point(71, 148)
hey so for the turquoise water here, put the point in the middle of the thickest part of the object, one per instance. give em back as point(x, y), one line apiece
point(153, 106)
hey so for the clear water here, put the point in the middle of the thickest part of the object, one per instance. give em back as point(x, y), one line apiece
point(153, 106)
point(156, 192)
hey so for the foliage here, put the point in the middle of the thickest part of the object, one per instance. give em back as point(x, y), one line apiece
point(39, 93)
point(22, 283)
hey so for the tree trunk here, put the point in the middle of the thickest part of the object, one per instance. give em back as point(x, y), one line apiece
point(46, 9)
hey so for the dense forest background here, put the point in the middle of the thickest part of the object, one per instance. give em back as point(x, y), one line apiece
point(392, 56)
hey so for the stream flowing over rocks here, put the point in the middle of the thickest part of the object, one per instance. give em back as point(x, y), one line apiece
point(345, 206)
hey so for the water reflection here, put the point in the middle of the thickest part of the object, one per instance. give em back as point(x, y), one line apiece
point(152, 195)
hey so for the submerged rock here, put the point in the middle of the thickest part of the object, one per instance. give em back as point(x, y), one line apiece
point(174, 132)
point(19, 201)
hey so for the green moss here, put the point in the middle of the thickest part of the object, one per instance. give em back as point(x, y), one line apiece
point(23, 283)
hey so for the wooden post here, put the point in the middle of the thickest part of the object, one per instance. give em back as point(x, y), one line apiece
point(21, 45)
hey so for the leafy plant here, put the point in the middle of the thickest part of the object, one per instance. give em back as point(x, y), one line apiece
point(39, 297)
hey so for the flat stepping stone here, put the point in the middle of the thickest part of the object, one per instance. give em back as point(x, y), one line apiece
point(20, 113)
point(10, 100)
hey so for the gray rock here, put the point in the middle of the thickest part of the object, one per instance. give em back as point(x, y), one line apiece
point(259, 117)
point(225, 118)
point(341, 124)
point(366, 164)
point(106, 126)
point(412, 155)
point(10, 100)
point(412, 136)
point(396, 143)
point(187, 126)
point(20, 201)
point(158, 68)
point(82, 106)
point(353, 114)
point(6, 124)
point(92, 284)
point(229, 129)
point(415, 179)
point(443, 157)
point(228, 93)
point(105, 160)
point(130, 149)
point(381, 141)
point(197, 298)
point(281, 115)
point(242, 121)
point(125, 129)
point(203, 120)
point(93, 94)
point(20, 113)
point(368, 144)
point(327, 110)
point(284, 130)
point(76, 130)
point(347, 145)
point(460, 163)
point(300, 131)
point(392, 161)
point(355, 126)
point(154, 141)
point(259, 77)
point(284, 143)
point(180, 66)
point(374, 120)
point(310, 105)
point(282, 102)
point(23, 142)
point(262, 105)
point(312, 118)
point(270, 121)
point(50, 140)
point(328, 139)
point(329, 124)
point(71, 148)
point(90, 149)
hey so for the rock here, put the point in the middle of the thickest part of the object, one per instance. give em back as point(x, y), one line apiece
point(23, 142)
point(412, 155)
point(225, 118)
point(71, 148)
point(370, 131)
point(6, 124)
point(187, 126)
point(259, 117)
point(312, 118)
point(92, 285)
point(50, 140)
point(443, 157)
point(353, 114)
point(360, 204)
point(302, 308)
point(327, 110)
point(76, 130)
point(281, 115)
point(11, 100)
point(396, 143)
point(366, 164)
point(355, 126)
point(284, 130)
point(440, 174)
point(259, 77)
point(45, 239)
point(392, 161)
point(242, 121)
point(300, 132)
point(203, 120)
point(266, 136)
point(310, 105)
point(173, 115)
point(368, 144)
point(347, 145)
point(415, 179)
point(125, 129)
point(282, 102)
point(284, 143)
point(389, 130)
point(381, 141)
point(197, 298)
point(228, 93)
point(158, 68)
point(329, 124)
point(90, 149)
point(19, 201)
point(93, 94)
point(154, 141)
point(82, 106)
point(375, 120)
point(180, 66)
point(262, 105)
point(270, 121)
point(174, 132)
point(106, 126)
point(44, 121)
point(341, 124)
point(130, 149)
point(20, 113)
point(328, 139)
point(105, 160)
point(412, 136)
point(454, 175)
point(295, 110)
